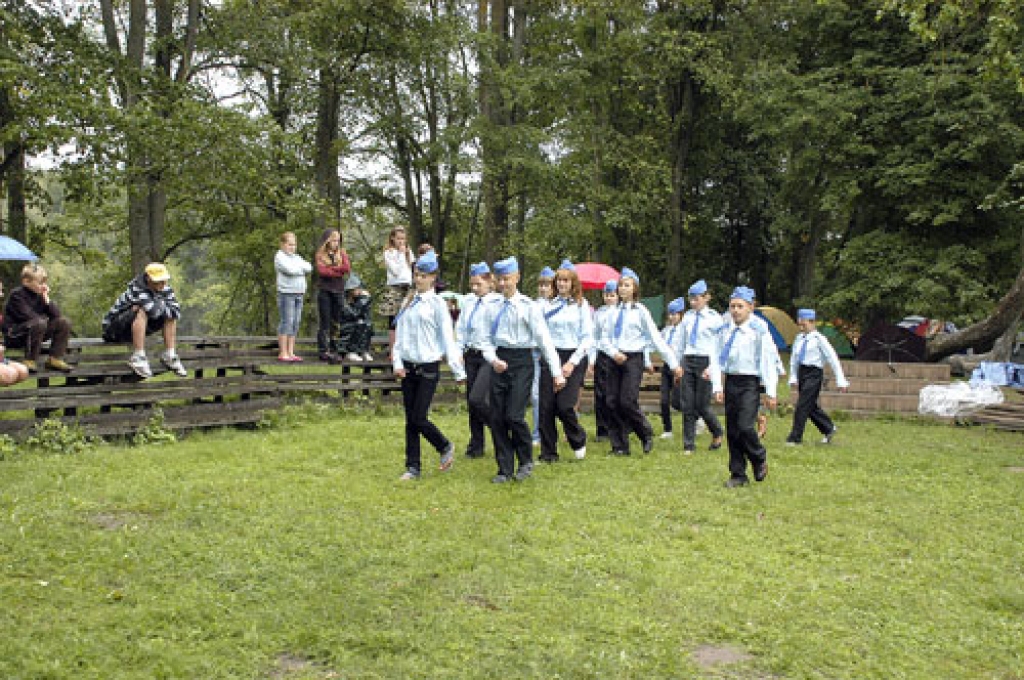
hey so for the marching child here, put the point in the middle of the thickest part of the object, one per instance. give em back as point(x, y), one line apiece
point(355, 331)
point(571, 326)
point(811, 351)
point(745, 359)
point(701, 326)
point(600, 363)
point(631, 331)
point(423, 334)
point(471, 336)
point(670, 390)
point(517, 327)
point(291, 271)
point(545, 291)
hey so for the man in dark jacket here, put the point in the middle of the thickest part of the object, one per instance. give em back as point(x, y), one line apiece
point(147, 306)
point(31, 318)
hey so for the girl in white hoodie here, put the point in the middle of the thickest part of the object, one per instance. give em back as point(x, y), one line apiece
point(291, 287)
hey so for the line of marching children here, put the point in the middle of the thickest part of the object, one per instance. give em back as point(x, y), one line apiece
point(732, 359)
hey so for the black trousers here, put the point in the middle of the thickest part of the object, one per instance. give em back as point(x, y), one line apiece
point(329, 304)
point(418, 387)
point(670, 398)
point(602, 366)
point(623, 402)
point(742, 398)
point(697, 400)
point(809, 379)
point(475, 363)
point(561, 406)
point(510, 395)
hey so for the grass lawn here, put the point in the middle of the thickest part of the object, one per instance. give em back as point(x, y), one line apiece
point(294, 552)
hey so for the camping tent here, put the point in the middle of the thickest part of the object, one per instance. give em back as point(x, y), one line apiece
point(783, 322)
point(777, 337)
point(840, 343)
point(656, 306)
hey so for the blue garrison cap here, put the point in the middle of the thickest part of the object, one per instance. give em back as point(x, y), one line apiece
point(611, 286)
point(427, 262)
point(626, 271)
point(479, 269)
point(567, 264)
point(698, 288)
point(806, 315)
point(546, 273)
point(743, 293)
point(507, 266)
point(677, 306)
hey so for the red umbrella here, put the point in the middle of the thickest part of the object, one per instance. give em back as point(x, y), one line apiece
point(593, 275)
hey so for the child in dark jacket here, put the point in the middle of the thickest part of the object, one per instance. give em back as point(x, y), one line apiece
point(31, 318)
point(356, 329)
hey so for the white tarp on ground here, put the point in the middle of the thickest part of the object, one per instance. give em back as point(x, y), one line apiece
point(957, 399)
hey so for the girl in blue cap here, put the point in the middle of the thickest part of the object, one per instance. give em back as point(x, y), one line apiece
point(423, 334)
point(670, 396)
point(571, 326)
point(545, 291)
point(811, 352)
point(745, 357)
point(472, 334)
point(632, 329)
point(700, 329)
point(600, 363)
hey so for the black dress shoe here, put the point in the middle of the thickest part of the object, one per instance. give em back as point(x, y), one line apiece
point(524, 472)
point(501, 479)
point(715, 446)
point(620, 452)
point(470, 453)
point(734, 482)
point(761, 471)
point(648, 445)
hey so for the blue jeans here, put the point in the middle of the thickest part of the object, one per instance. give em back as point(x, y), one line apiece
point(289, 306)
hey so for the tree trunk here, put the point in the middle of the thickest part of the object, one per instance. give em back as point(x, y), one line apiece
point(682, 105)
point(328, 185)
point(983, 334)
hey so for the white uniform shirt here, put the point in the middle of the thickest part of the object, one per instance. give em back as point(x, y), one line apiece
point(423, 333)
point(751, 352)
point(814, 349)
point(472, 328)
point(518, 323)
point(635, 331)
point(708, 322)
point(571, 326)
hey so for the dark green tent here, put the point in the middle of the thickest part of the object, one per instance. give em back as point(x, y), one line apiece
point(838, 339)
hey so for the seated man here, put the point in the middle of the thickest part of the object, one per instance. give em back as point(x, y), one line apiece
point(147, 306)
point(31, 318)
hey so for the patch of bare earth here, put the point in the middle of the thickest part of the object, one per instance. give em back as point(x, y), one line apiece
point(290, 665)
point(709, 656)
point(1015, 469)
point(114, 521)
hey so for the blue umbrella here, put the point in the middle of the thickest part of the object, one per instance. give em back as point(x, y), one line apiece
point(14, 250)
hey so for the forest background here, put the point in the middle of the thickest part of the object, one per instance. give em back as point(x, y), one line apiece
point(860, 157)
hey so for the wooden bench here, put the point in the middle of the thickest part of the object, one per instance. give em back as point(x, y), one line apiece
point(232, 381)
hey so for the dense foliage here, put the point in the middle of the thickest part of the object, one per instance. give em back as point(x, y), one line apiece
point(861, 157)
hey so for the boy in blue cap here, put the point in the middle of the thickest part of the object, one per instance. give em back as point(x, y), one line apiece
point(517, 327)
point(472, 333)
point(811, 351)
point(745, 359)
point(700, 329)
point(670, 394)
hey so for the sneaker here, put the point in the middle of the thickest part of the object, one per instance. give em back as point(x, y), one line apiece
point(173, 363)
point(367, 357)
point(58, 365)
point(688, 452)
point(827, 439)
point(327, 357)
point(790, 442)
point(30, 365)
point(648, 445)
point(140, 364)
point(666, 435)
point(447, 457)
point(409, 476)
point(581, 453)
point(500, 479)
point(736, 482)
point(525, 470)
point(352, 356)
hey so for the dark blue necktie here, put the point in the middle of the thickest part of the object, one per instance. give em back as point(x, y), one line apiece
point(415, 301)
point(671, 334)
point(618, 321)
point(724, 357)
point(556, 310)
point(497, 319)
point(469, 324)
point(803, 351)
point(693, 331)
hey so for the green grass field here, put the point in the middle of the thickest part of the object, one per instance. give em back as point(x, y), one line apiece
point(294, 552)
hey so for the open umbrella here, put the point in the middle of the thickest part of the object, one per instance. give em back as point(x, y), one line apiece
point(14, 250)
point(889, 343)
point(593, 275)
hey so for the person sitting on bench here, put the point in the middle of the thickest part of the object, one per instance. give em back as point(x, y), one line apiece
point(31, 318)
